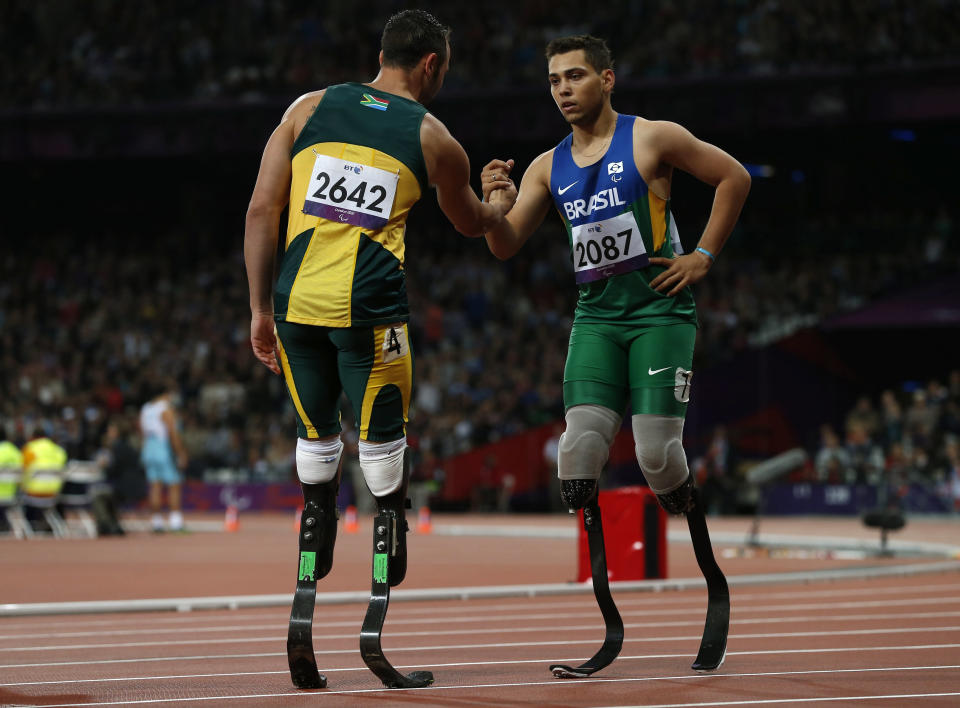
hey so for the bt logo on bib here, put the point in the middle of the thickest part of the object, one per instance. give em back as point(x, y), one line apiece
point(615, 170)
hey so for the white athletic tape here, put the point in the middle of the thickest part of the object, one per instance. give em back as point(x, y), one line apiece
point(318, 460)
point(382, 465)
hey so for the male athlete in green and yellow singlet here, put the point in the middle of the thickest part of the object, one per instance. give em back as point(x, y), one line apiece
point(350, 162)
point(635, 323)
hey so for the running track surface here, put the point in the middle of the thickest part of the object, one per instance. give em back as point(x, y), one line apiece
point(891, 641)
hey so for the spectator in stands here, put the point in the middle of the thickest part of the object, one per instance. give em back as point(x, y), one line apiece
point(864, 415)
point(120, 462)
point(716, 473)
point(921, 419)
point(833, 462)
point(866, 457)
point(108, 53)
point(953, 385)
point(949, 486)
point(898, 466)
point(892, 417)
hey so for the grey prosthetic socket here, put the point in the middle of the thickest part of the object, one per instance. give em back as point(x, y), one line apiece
point(583, 450)
point(659, 449)
point(318, 524)
point(393, 506)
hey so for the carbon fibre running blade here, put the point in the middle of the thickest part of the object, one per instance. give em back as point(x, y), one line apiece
point(713, 646)
point(300, 657)
point(613, 640)
point(567, 672)
point(385, 529)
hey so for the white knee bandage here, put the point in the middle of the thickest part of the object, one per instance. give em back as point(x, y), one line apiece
point(660, 451)
point(382, 465)
point(318, 460)
point(585, 444)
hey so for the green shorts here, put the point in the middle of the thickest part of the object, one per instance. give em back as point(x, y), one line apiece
point(373, 365)
point(607, 362)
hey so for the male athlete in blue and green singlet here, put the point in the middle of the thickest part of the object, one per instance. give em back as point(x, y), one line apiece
point(635, 323)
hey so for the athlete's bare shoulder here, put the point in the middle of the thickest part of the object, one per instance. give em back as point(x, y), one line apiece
point(441, 151)
point(536, 179)
point(658, 133)
point(299, 112)
point(542, 163)
point(433, 133)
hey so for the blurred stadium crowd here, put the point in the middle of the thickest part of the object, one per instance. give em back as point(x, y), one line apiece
point(84, 334)
point(112, 52)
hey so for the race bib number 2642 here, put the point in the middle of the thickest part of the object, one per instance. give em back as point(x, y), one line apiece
point(351, 193)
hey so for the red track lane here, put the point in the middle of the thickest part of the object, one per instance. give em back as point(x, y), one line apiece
point(889, 641)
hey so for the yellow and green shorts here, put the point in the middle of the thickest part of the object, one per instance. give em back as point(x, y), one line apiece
point(372, 365)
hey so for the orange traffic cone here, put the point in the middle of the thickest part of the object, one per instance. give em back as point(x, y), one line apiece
point(231, 521)
point(423, 520)
point(297, 513)
point(350, 524)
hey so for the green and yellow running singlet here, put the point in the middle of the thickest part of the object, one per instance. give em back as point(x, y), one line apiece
point(357, 169)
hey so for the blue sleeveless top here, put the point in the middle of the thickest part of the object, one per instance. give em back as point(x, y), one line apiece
point(614, 224)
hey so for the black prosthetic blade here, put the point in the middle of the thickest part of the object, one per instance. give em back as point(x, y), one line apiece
point(613, 641)
point(713, 646)
point(300, 657)
point(384, 549)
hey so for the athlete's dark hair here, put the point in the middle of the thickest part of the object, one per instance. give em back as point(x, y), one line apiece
point(595, 50)
point(410, 35)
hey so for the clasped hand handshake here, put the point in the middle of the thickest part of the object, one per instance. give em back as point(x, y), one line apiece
point(497, 186)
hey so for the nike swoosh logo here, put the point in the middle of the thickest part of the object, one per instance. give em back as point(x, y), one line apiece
point(564, 189)
point(651, 372)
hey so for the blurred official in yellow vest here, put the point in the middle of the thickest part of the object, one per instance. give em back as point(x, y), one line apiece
point(11, 468)
point(43, 466)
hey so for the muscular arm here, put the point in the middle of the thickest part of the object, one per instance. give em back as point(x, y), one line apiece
point(448, 168)
point(533, 202)
point(677, 147)
point(270, 195)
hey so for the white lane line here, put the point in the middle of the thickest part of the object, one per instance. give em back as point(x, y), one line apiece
point(554, 683)
point(171, 677)
point(475, 592)
point(739, 619)
point(805, 701)
point(269, 655)
point(429, 633)
point(951, 593)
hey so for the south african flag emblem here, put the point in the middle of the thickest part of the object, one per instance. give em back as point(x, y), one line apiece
point(374, 102)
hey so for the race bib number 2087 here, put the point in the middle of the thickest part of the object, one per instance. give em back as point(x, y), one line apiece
point(609, 247)
point(351, 193)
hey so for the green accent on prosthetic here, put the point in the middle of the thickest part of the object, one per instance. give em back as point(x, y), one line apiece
point(308, 563)
point(379, 567)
